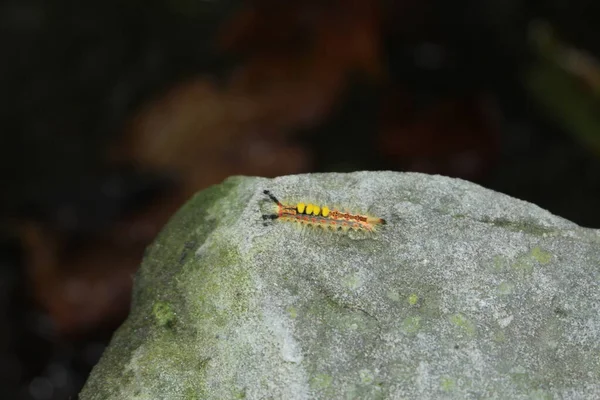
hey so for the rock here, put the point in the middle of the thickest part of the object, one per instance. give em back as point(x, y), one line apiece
point(465, 293)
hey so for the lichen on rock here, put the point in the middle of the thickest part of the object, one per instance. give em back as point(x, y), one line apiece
point(465, 293)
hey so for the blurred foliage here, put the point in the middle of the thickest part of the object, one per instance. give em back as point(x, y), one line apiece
point(565, 81)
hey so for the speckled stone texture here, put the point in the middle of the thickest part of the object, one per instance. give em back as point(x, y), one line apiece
point(465, 294)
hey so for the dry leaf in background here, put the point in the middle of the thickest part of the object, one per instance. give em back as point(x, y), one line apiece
point(202, 135)
point(86, 282)
point(289, 81)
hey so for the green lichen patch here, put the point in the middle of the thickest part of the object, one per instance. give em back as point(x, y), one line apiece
point(525, 263)
point(413, 299)
point(541, 256)
point(163, 313)
point(447, 384)
point(352, 282)
point(529, 227)
point(411, 325)
point(467, 327)
point(293, 312)
point(321, 381)
point(505, 288)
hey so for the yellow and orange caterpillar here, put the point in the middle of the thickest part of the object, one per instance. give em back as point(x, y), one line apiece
point(323, 217)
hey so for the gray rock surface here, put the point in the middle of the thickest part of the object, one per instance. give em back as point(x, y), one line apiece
point(465, 294)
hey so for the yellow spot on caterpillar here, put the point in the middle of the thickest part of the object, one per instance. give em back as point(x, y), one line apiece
point(301, 207)
point(309, 209)
point(325, 211)
point(316, 210)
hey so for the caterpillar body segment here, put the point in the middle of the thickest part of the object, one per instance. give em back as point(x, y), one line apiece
point(322, 216)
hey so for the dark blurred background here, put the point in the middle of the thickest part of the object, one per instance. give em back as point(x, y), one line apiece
point(115, 112)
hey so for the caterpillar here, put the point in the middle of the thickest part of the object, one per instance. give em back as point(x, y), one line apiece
point(322, 216)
